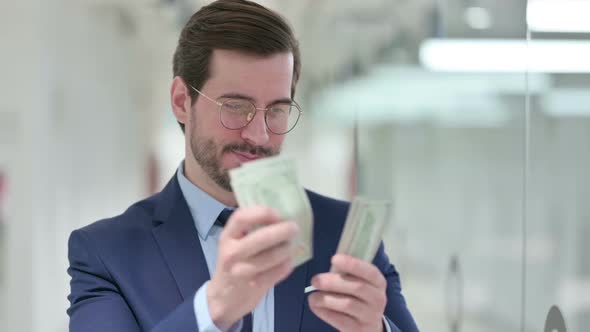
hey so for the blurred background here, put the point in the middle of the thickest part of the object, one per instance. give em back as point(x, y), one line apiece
point(473, 116)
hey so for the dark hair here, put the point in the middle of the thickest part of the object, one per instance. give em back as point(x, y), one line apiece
point(231, 25)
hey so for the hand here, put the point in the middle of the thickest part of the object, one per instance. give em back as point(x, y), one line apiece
point(353, 299)
point(249, 263)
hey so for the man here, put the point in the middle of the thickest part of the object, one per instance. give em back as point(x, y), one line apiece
point(176, 262)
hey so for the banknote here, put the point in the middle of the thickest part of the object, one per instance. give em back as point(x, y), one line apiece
point(364, 228)
point(274, 182)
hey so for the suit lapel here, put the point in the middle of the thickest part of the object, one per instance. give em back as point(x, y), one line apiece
point(289, 299)
point(178, 240)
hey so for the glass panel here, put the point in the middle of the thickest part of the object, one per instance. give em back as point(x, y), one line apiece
point(441, 132)
point(558, 223)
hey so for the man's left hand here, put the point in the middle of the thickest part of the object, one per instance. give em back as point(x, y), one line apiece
point(353, 299)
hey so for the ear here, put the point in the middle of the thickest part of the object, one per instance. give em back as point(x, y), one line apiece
point(180, 99)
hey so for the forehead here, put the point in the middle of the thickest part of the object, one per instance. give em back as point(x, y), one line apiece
point(262, 77)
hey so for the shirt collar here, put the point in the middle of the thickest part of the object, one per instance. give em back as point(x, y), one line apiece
point(204, 208)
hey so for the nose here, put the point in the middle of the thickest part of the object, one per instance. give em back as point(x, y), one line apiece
point(256, 132)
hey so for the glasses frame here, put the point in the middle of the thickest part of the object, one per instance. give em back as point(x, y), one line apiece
point(220, 104)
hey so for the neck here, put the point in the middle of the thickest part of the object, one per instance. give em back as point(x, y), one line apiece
point(195, 174)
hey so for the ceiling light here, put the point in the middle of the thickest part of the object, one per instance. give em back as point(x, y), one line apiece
point(478, 18)
point(558, 15)
point(486, 55)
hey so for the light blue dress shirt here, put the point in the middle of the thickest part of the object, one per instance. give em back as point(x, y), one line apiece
point(205, 210)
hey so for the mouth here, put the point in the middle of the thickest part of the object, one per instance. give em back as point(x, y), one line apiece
point(244, 157)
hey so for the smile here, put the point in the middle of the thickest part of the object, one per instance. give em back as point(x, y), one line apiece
point(245, 156)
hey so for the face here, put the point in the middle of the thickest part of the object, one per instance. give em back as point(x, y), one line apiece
point(262, 80)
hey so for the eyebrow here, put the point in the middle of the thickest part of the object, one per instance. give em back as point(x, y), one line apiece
point(235, 95)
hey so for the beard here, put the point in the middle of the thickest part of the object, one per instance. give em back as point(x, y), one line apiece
point(208, 154)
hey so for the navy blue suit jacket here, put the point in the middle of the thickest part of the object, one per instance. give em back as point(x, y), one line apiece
point(140, 271)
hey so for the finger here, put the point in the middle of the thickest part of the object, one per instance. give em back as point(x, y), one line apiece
point(360, 269)
point(265, 238)
point(349, 285)
point(338, 320)
point(263, 261)
point(274, 275)
point(345, 304)
point(244, 219)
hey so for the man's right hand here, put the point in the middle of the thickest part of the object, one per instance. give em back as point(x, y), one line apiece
point(249, 263)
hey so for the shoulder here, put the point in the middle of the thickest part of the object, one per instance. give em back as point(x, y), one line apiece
point(128, 227)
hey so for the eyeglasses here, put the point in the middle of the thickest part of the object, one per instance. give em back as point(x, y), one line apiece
point(235, 113)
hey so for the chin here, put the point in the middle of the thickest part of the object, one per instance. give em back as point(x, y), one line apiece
point(230, 161)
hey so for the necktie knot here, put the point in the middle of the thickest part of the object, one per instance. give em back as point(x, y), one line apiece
point(224, 216)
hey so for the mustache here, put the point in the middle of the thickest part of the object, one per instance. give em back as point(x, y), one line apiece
point(245, 147)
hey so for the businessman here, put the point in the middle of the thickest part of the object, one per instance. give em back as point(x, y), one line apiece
point(185, 259)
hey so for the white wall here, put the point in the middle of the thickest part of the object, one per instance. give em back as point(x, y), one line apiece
point(80, 133)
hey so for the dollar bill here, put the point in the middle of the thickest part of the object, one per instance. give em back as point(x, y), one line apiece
point(364, 227)
point(274, 182)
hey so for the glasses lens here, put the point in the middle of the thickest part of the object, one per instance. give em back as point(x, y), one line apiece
point(281, 118)
point(236, 114)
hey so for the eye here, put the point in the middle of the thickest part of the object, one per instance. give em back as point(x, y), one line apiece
point(280, 109)
point(237, 106)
